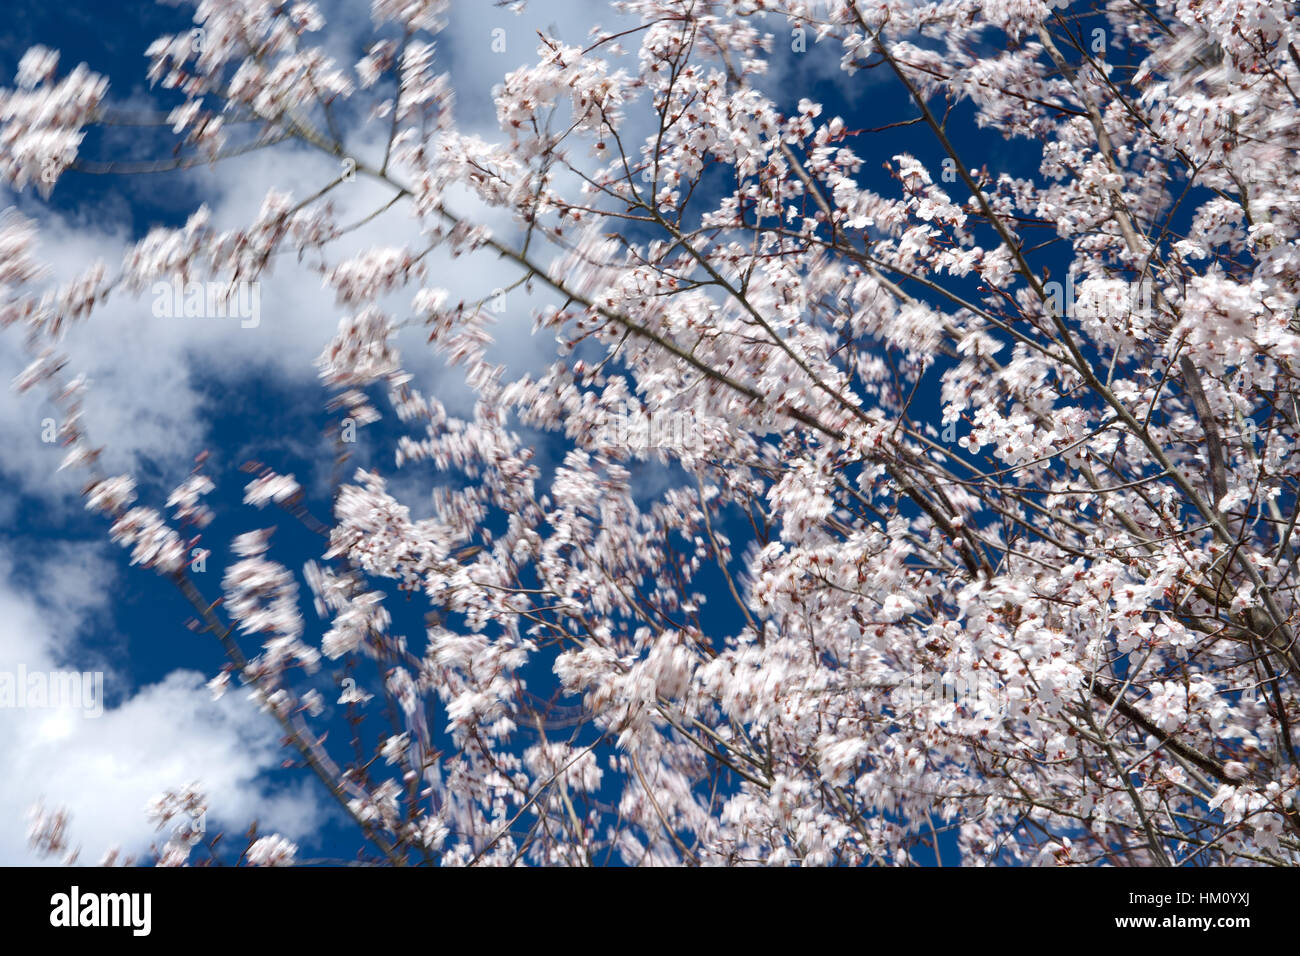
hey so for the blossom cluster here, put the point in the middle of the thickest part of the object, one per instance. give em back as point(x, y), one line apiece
point(714, 663)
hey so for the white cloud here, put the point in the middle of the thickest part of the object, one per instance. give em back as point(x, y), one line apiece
point(104, 769)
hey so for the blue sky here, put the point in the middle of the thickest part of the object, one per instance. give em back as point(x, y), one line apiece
point(166, 389)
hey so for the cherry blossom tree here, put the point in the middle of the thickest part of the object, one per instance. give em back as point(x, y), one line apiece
point(1031, 435)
